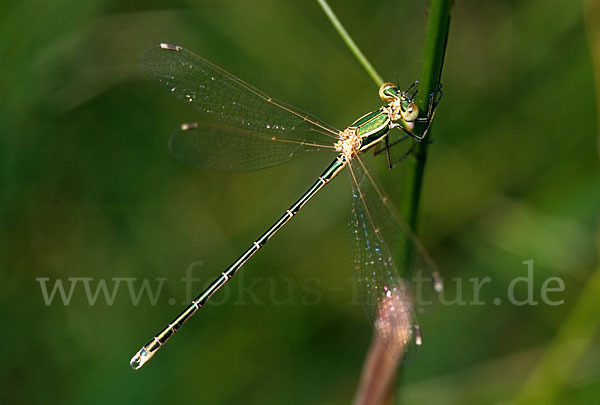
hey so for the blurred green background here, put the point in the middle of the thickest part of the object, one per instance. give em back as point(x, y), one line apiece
point(89, 190)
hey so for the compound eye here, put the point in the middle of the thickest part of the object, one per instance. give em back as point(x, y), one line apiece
point(388, 92)
point(411, 113)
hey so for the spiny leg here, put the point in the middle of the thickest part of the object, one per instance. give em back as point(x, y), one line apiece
point(391, 164)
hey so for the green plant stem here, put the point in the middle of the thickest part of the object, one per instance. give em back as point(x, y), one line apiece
point(431, 70)
point(348, 40)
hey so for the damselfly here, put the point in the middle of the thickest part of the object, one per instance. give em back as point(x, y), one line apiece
point(254, 131)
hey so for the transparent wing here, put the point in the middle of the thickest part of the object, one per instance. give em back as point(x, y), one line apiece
point(380, 241)
point(232, 149)
point(223, 97)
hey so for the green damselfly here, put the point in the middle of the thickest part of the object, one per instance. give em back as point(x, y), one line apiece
point(251, 131)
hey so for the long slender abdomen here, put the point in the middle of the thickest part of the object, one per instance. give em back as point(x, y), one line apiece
point(150, 349)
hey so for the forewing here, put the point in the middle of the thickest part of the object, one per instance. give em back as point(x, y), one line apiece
point(222, 97)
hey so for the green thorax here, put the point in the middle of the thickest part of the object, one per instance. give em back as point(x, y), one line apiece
point(372, 127)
